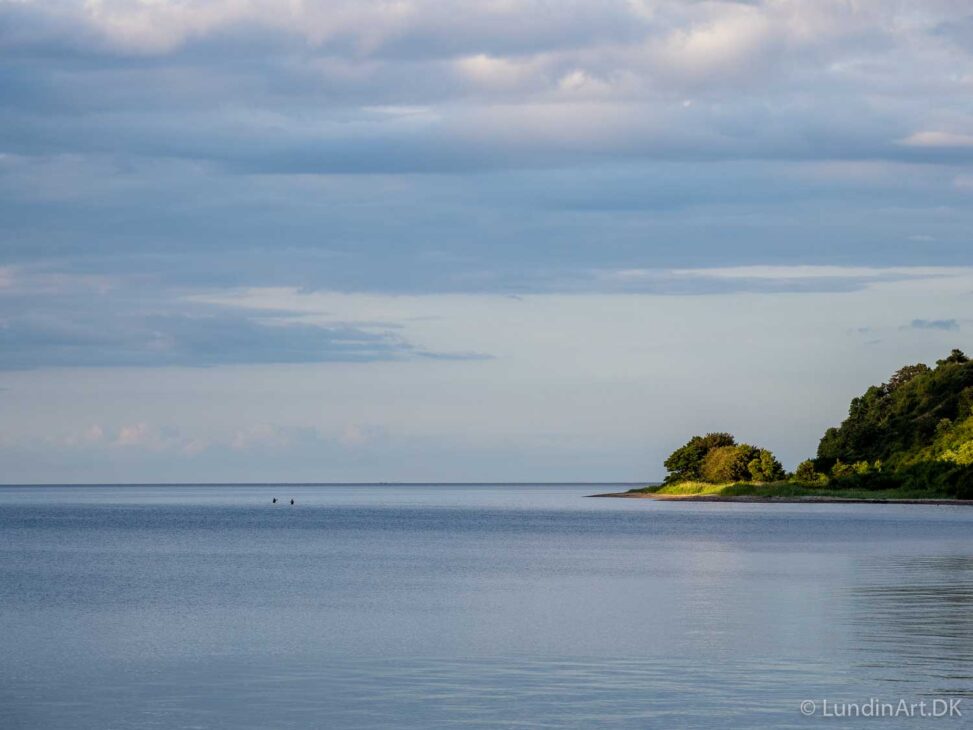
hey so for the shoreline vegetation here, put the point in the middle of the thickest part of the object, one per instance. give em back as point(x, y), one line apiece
point(781, 492)
point(907, 441)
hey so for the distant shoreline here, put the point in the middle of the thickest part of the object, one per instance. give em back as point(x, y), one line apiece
point(779, 500)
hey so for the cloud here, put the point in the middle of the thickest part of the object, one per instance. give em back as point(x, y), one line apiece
point(89, 436)
point(143, 438)
point(762, 279)
point(946, 325)
point(502, 82)
point(360, 27)
point(355, 436)
point(361, 186)
point(193, 141)
point(270, 437)
point(153, 151)
point(948, 140)
point(66, 340)
point(138, 434)
point(53, 320)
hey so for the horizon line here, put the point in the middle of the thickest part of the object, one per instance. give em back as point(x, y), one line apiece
point(324, 484)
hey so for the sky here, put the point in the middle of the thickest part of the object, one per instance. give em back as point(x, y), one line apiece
point(497, 240)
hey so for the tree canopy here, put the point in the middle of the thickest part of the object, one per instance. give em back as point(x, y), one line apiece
point(914, 431)
point(892, 422)
point(718, 458)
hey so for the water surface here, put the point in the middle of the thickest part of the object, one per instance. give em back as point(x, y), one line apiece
point(475, 606)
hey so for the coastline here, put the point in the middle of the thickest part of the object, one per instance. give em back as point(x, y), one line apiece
point(779, 500)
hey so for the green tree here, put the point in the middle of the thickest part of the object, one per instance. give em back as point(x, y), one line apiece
point(956, 356)
point(895, 421)
point(718, 458)
point(686, 462)
point(805, 471)
point(904, 375)
point(765, 467)
point(841, 470)
point(729, 463)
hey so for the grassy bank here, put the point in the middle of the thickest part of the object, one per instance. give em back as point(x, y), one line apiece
point(787, 490)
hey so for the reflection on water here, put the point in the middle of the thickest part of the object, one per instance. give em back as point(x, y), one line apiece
point(444, 693)
point(918, 626)
point(425, 607)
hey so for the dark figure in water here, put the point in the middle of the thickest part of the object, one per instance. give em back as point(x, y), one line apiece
point(292, 501)
point(275, 500)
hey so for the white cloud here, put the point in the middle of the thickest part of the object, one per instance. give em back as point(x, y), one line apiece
point(937, 139)
point(355, 435)
point(766, 79)
point(963, 182)
point(724, 45)
point(137, 434)
point(92, 435)
point(263, 436)
point(816, 272)
point(493, 73)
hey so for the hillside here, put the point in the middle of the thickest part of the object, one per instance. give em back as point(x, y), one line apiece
point(914, 430)
point(909, 438)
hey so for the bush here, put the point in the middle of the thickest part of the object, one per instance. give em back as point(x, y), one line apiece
point(717, 458)
point(765, 467)
point(729, 464)
point(806, 473)
point(840, 470)
point(685, 463)
point(938, 478)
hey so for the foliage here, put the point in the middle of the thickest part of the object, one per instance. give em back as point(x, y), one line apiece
point(914, 432)
point(717, 457)
point(893, 421)
point(727, 464)
point(911, 435)
point(686, 462)
point(777, 490)
point(765, 467)
point(840, 469)
point(807, 474)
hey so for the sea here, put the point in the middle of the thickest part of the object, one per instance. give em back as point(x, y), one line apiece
point(476, 606)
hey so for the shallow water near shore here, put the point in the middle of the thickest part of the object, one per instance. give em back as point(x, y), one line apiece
point(479, 606)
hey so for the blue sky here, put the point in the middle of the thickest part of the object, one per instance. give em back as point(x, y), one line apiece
point(503, 240)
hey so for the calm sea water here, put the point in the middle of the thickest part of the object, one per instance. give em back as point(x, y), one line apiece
point(443, 606)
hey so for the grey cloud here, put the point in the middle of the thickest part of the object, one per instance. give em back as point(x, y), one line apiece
point(180, 339)
point(454, 355)
point(515, 148)
point(52, 320)
point(946, 325)
point(357, 28)
point(512, 86)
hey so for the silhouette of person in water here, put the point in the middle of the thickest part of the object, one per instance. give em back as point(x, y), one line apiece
point(275, 500)
point(292, 501)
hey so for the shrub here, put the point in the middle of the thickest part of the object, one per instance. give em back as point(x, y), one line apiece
point(685, 463)
point(765, 467)
point(728, 464)
point(806, 473)
point(840, 470)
